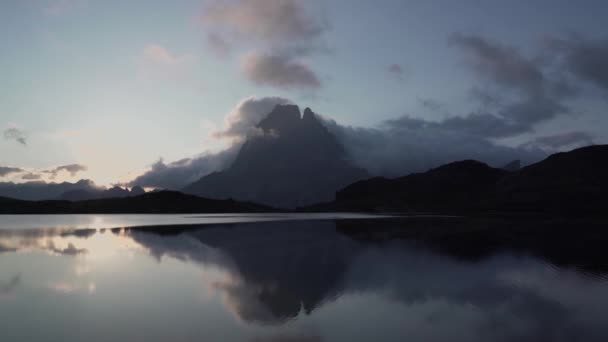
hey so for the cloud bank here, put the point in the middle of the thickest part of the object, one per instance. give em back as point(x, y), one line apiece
point(6, 170)
point(72, 169)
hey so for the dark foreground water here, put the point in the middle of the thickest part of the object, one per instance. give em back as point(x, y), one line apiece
point(251, 279)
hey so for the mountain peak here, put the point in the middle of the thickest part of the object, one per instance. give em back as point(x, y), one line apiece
point(281, 118)
point(302, 164)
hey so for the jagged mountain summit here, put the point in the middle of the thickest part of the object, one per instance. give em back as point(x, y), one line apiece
point(293, 160)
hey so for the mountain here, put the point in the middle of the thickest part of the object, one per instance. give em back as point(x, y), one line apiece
point(99, 193)
point(293, 160)
point(456, 185)
point(37, 191)
point(161, 202)
point(513, 166)
point(575, 181)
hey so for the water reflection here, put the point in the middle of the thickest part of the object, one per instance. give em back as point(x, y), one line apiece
point(277, 281)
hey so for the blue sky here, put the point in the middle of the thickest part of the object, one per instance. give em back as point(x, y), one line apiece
point(115, 85)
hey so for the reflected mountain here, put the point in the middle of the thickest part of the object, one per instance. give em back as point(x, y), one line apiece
point(276, 272)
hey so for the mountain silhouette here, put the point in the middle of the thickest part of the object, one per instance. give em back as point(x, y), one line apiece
point(574, 181)
point(165, 202)
point(292, 160)
point(99, 193)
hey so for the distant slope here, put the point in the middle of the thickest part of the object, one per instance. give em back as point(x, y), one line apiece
point(452, 186)
point(575, 180)
point(570, 181)
point(37, 190)
point(162, 202)
point(292, 161)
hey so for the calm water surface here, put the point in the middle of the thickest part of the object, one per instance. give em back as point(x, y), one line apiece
point(270, 278)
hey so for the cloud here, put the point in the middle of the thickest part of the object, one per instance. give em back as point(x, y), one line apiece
point(278, 23)
point(161, 55)
point(587, 59)
point(240, 123)
point(158, 63)
point(15, 134)
point(529, 92)
point(404, 145)
point(176, 175)
point(396, 71)
point(72, 169)
point(6, 170)
point(278, 71)
point(31, 176)
point(501, 64)
point(560, 140)
point(281, 29)
point(219, 45)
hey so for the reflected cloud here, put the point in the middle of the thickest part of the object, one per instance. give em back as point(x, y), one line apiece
point(8, 288)
point(289, 338)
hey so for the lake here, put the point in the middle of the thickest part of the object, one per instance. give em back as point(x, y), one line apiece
point(293, 278)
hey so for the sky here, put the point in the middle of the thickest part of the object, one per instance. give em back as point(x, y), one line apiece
point(113, 90)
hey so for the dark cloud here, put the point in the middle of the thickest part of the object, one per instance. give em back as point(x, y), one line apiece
point(587, 59)
point(396, 71)
point(278, 23)
point(72, 169)
point(530, 92)
point(278, 71)
point(31, 176)
point(6, 170)
point(556, 141)
point(501, 64)
point(15, 134)
point(282, 29)
point(240, 122)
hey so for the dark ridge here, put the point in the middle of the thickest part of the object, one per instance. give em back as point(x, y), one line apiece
point(565, 183)
point(161, 202)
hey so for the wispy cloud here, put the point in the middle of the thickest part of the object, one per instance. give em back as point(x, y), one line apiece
point(157, 62)
point(72, 169)
point(15, 134)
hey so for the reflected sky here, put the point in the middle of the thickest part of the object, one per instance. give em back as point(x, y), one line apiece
point(281, 281)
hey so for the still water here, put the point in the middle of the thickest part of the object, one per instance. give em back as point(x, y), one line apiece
point(275, 278)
